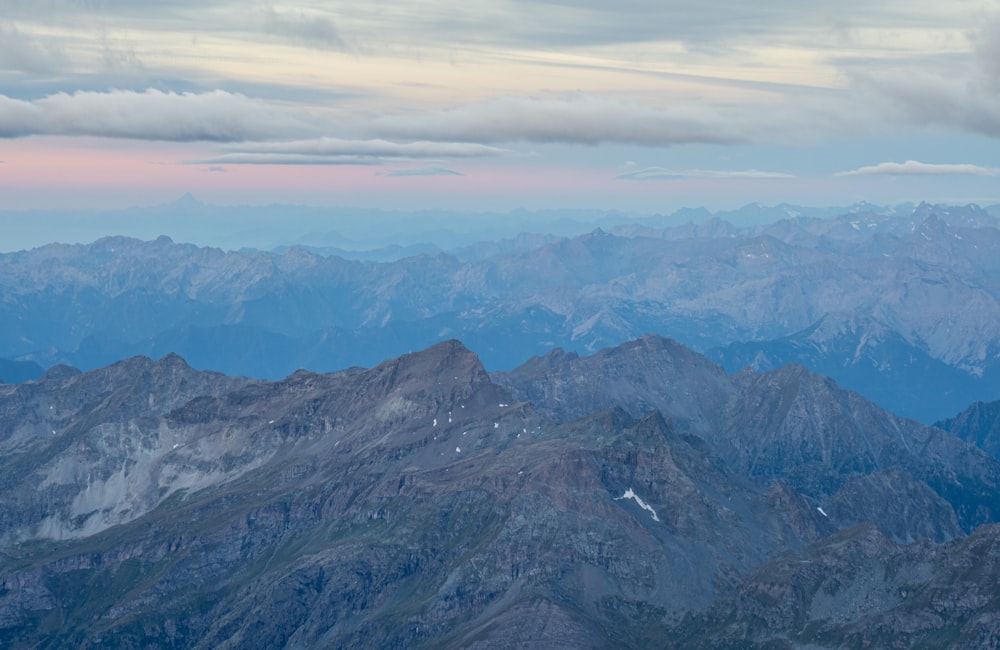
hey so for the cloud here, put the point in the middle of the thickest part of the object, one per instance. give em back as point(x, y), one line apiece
point(20, 52)
point(917, 168)
point(250, 158)
point(661, 173)
point(377, 147)
point(986, 46)
point(968, 100)
point(217, 168)
point(578, 120)
point(422, 171)
point(926, 99)
point(118, 55)
point(314, 31)
point(336, 151)
point(568, 24)
point(216, 116)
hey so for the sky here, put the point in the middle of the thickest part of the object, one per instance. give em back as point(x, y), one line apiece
point(634, 105)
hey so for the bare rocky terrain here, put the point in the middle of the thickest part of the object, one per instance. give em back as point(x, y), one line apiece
point(640, 496)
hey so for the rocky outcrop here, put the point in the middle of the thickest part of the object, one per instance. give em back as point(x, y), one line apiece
point(787, 425)
point(979, 425)
point(857, 589)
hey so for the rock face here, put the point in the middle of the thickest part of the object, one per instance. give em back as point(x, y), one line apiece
point(788, 424)
point(423, 502)
point(870, 358)
point(979, 425)
point(856, 589)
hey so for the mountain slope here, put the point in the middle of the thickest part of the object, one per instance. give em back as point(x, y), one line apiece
point(868, 357)
point(421, 503)
point(788, 424)
point(412, 503)
point(857, 589)
point(979, 425)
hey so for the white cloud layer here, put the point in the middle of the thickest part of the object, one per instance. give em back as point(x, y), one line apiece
point(216, 116)
point(917, 168)
point(422, 171)
point(336, 151)
point(328, 146)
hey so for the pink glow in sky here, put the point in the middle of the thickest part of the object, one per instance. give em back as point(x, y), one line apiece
point(112, 104)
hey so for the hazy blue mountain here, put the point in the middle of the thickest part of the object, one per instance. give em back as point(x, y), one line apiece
point(384, 254)
point(868, 357)
point(901, 305)
point(979, 424)
point(15, 372)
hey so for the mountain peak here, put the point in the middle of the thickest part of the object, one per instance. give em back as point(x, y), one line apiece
point(173, 360)
point(187, 200)
point(59, 372)
point(446, 363)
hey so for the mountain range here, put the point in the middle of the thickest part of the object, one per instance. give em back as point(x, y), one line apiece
point(638, 496)
point(900, 306)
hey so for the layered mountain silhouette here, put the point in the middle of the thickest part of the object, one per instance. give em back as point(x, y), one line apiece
point(901, 307)
point(613, 500)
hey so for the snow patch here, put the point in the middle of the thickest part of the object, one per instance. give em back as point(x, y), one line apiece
point(630, 494)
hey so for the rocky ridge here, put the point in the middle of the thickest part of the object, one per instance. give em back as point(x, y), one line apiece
point(424, 502)
point(868, 297)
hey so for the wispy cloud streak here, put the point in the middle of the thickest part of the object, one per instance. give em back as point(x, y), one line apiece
point(662, 173)
point(917, 168)
point(216, 116)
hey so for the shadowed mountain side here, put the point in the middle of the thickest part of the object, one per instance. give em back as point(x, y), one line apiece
point(788, 424)
point(649, 373)
point(412, 503)
point(857, 590)
point(979, 425)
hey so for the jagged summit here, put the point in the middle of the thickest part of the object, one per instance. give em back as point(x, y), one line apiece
point(979, 424)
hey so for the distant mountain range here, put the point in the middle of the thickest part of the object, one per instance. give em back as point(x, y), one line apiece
point(361, 233)
point(901, 306)
point(643, 497)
